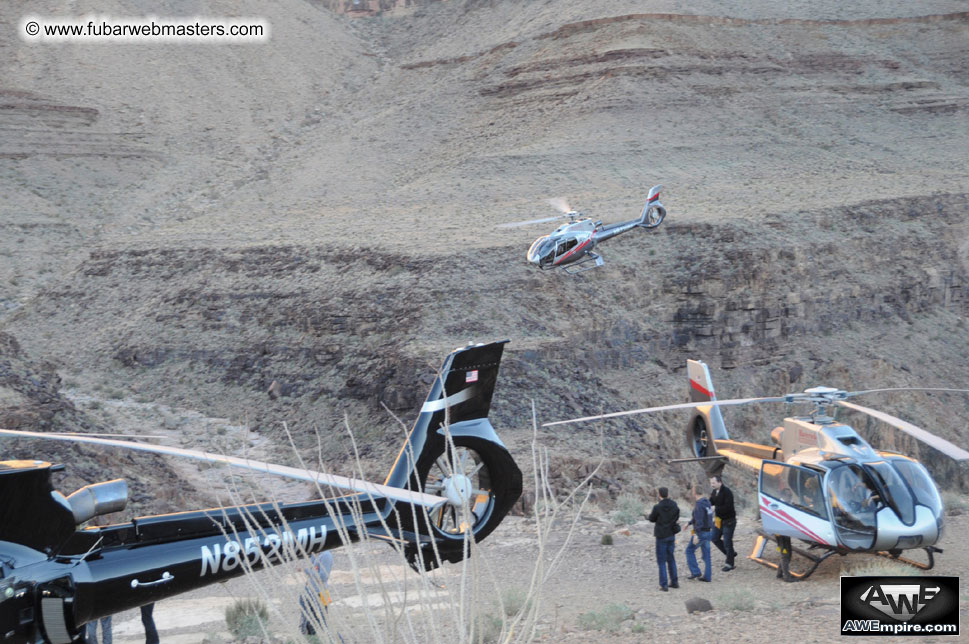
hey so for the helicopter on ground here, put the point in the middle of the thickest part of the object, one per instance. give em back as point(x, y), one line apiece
point(454, 479)
point(820, 481)
point(571, 245)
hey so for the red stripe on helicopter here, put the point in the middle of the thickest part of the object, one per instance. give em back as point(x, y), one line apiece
point(784, 517)
point(703, 390)
point(574, 250)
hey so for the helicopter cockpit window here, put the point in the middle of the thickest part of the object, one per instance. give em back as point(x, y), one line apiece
point(854, 502)
point(894, 489)
point(795, 486)
point(920, 482)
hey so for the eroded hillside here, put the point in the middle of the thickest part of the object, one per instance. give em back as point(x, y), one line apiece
point(320, 213)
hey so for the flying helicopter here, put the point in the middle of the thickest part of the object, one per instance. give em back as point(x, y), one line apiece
point(453, 479)
point(820, 481)
point(571, 245)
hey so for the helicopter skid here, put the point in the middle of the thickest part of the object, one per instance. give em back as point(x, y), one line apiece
point(929, 550)
point(591, 257)
point(761, 543)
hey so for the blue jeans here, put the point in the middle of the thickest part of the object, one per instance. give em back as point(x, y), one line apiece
point(723, 540)
point(92, 631)
point(665, 550)
point(701, 541)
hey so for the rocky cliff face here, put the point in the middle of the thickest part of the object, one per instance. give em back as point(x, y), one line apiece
point(30, 400)
point(863, 296)
point(300, 231)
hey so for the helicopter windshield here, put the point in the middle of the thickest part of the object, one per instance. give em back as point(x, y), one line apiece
point(895, 490)
point(921, 484)
point(854, 501)
point(542, 250)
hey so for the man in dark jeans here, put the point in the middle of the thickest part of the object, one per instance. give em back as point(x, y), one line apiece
point(666, 516)
point(726, 520)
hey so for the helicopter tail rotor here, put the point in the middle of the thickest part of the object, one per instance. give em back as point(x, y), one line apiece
point(653, 212)
point(706, 425)
point(453, 452)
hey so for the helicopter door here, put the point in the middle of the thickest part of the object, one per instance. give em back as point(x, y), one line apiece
point(792, 503)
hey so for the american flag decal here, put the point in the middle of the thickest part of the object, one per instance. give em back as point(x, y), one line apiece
point(471, 376)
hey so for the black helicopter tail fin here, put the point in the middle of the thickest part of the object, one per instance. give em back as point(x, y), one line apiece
point(460, 397)
point(475, 470)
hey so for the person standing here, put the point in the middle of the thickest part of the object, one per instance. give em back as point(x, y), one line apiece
point(151, 633)
point(725, 522)
point(702, 522)
point(666, 516)
point(315, 598)
point(91, 631)
point(784, 548)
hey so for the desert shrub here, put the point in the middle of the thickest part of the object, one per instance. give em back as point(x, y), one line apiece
point(489, 629)
point(629, 509)
point(246, 618)
point(610, 618)
point(735, 599)
point(880, 568)
point(606, 540)
point(456, 604)
point(513, 600)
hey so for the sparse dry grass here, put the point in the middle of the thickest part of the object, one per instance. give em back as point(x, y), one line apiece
point(460, 603)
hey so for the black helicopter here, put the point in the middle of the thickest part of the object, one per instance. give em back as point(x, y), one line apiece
point(570, 245)
point(452, 475)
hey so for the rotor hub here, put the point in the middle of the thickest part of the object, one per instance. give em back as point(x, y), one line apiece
point(457, 489)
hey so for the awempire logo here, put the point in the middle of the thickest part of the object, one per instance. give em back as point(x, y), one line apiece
point(899, 606)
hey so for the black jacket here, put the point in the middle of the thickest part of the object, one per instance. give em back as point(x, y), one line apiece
point(665, 514)
point(722, 501)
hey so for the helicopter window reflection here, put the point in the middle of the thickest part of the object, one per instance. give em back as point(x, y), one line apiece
point(794, 486)
point(854, 501)
point(895, 490)
point(920, 482)
point(566, 245)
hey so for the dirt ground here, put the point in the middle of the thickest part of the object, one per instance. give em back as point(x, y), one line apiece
point(749, 603)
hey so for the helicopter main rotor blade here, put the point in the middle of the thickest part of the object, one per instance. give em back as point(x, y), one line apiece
point(941, 444)
point(650, 410)
point(355, 485)
point(875, 391)
point(518, 224)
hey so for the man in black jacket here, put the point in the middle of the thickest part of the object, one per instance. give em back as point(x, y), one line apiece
point(666, 516)
point(726, 523)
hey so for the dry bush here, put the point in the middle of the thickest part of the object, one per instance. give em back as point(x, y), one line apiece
point(460, 603)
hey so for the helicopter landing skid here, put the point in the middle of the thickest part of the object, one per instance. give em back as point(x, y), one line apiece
point(591, 257)
point(761, 543)
point(929, 550)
